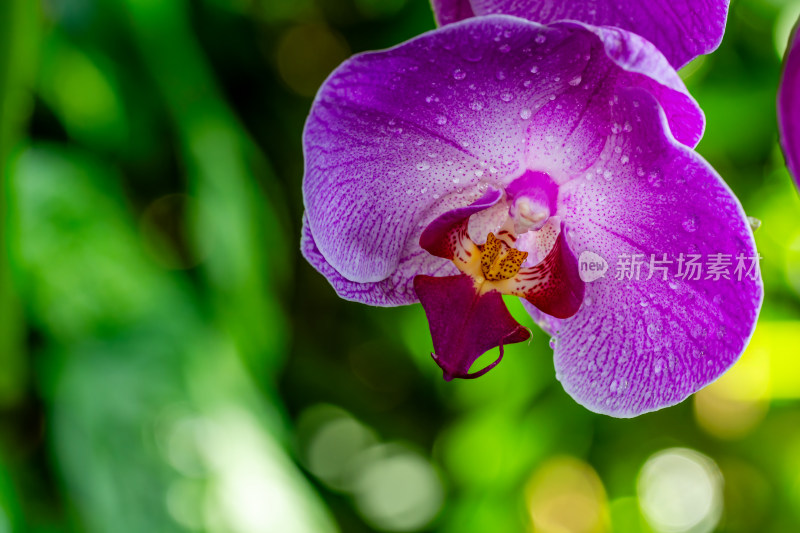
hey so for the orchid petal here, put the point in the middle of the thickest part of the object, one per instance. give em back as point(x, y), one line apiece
point(464, 323)
point(638, 345)
point(397, 289)
point(449, 11)
point(396, 138)
point(789, 106)
point(447, 236)
point(681, 29)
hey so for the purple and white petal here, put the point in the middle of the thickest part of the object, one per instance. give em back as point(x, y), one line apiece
point(396, 138)
point(397, 289)
point(681, 29)
point(638, 345)
point(789, 106)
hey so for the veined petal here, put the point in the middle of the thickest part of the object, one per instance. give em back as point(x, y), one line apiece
point(646, 67)
point(396, 138)
point(397, 289)
point(641, 344)
point(465, 323)
point(681, 29)
point(789, 106)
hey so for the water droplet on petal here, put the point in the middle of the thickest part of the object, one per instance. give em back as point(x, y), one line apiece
point(534, 69)
point(658, 366)
point(525, 113)
point(441, 120)
point(690, 224)
point(576, 80)
point(654, 331)
point(506, 97)
point(459, 74)
point(553, 343)
point(500, 75)
point(540, 38)
point(624, 159)
point(423, 165)
point(476, 105)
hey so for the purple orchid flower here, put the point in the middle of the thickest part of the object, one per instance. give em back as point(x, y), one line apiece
point(789, 105)
point(681, 29)
point(500, 156)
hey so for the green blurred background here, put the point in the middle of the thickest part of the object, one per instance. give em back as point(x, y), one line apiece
point(169, 362)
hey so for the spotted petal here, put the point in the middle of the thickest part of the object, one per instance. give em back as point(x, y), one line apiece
point(396, 138)
point(789, 106)
point(681, 29)
point(646, 338)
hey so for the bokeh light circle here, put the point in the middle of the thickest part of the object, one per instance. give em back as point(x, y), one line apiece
point(680, 491)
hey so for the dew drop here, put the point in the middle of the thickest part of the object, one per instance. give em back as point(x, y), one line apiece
point(525, 113)
point(500, 75)
point(506, 97)
point(476, 105)
point(658, 366)
point(624, 159)
point(690, 224)
point(534, 69)
point(479, 173)
point(553, 343)
point(607, 175)
point(576, 80)
point(441, 120)
point(459, 74)
point(540, 38)
point(654, 331)
point(614, 386)
point(423, 165)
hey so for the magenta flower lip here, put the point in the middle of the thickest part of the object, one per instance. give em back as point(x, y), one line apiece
point(487, 157)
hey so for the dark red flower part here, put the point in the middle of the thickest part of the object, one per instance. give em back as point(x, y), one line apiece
point(466, 313)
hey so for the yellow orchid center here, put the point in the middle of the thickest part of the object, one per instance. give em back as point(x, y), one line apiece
point(500, 261)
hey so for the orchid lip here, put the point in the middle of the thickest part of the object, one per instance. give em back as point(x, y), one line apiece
point(466, 313)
